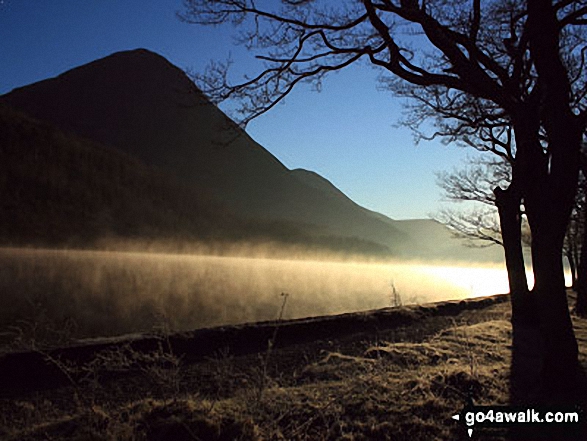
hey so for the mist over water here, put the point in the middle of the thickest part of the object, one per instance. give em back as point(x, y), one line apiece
point(104, 293)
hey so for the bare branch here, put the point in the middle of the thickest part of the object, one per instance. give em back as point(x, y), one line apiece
point(479, 227)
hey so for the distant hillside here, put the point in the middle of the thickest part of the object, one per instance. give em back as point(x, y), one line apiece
point(138, 102)
point(437, 242)
point(142, 105)
point(59, 189)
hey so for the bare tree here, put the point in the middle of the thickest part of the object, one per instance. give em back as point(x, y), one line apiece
point(478, 227)
point(506, 76)
point(474, 183)
point(481, 227)
point(500, 221)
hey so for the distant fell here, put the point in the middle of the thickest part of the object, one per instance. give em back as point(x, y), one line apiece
point(59, 189)
point(139, 103)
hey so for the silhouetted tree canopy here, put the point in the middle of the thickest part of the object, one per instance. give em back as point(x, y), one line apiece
point(448, 54)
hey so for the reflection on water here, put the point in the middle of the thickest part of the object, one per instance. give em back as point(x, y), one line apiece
point(108, 293)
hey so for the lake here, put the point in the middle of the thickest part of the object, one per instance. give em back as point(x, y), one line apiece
point(102, 293)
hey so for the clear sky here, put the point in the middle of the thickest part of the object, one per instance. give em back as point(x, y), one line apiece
point(346, 132)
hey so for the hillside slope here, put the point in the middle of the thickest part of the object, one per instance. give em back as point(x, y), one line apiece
point(138, 102)
point(58, 189)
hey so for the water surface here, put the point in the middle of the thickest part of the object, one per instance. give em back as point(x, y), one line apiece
point(109, 293)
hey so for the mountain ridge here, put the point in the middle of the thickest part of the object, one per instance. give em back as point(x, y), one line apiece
point(184, 134)
point(138, 102)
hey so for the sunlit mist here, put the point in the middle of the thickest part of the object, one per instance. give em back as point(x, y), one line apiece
point(478, 281)
point(110, 293)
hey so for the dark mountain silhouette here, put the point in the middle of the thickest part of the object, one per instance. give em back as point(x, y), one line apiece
point(62, 189)
point(58, 189)
point(139, 103)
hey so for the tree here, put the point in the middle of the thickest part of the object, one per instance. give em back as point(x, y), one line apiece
point(504, 70)
point(578, 226)
point(477, 182)
point(574, 238)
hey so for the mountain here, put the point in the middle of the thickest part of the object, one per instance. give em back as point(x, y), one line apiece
point(140, 104)
point(58, 188)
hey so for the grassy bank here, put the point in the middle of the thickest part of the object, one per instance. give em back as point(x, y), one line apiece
point(399, 382)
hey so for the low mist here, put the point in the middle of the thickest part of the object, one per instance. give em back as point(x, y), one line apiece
point(52, 294)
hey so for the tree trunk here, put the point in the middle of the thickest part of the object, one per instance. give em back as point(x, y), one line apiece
point(549, 196)
point(581, 285)
point(548, 200)
point(570, 255)
point(510, 220)
point(561, 352)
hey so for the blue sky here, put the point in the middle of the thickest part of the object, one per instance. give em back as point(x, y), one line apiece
point(346, 132)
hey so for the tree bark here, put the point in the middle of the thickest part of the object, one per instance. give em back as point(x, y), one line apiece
point(548, 198)
point(510, 220)
point(581, 284)
point(548, 190)
point(570, 255)
point(560, 345)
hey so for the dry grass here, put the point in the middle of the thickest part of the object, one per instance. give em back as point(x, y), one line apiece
point(395, 388)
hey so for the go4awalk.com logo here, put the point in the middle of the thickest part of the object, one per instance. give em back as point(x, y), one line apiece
point(473, 418)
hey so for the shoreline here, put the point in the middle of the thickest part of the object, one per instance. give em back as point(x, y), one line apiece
point(24, 371)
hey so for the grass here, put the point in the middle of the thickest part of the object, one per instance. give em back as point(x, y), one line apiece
point(403, 383)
